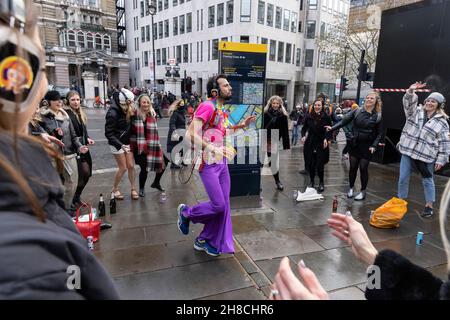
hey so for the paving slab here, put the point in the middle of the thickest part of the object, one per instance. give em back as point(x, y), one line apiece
point(263, 244)
point(185, 283)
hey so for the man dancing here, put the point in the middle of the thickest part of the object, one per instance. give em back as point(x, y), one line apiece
point(207, 131)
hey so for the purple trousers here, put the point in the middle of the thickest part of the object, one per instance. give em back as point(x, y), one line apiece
point(215, 214)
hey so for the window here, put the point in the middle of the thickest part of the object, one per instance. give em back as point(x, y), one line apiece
point(198, 53)
point(147, 32)
point(220, 14)
point(309, 57)
point(293, 21)
point(293, 54)
point(280, 51)
point(80, 39)
point(245, 39)
point(230, 11)
point(160, 5)
point(71, 39)
point(198, 20)
point(201, 19)
point(322, 29)
point(142, 9)
point(261, 8)
point(175, 26)
point(246, 10)
point(272, 50)
point(181, 1)
point(215, 49)
point(263, 40)
point(190, 50)
point(286, 20)
point(164, 56)
point(312, 4)
point(211, 16)
point(145, 58)
point(185, 53)
point(160, 30)
point(310, 29)
point(201, 51)
point(98, 42)
point(166, 28)
point(182, 24)
point(175, 3)
point(189, 22)
point(158, 57)
point(300, 26)
point(143, 34)
point(154, 31)
point(209, 50)
point(298, 57)
point(269, 18)
point(90, 41)
point(178, 57)
point(166, 4)
point(106, 43)
point(288, 53)
point(278, 14)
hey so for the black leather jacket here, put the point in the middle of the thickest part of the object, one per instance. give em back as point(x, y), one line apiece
point(117, 128)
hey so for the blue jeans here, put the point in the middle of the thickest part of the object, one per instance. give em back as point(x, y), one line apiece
point(406, 167)
point(295, 135)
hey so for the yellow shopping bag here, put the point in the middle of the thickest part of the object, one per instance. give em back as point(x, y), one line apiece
point(389, 214)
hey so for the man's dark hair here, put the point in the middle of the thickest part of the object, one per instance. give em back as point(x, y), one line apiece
point(213, 84)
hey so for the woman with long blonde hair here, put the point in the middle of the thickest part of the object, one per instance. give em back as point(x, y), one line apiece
point(276, 118)
point(84, 161)
point(39, 242)
point(364, 139)
point(145, 144)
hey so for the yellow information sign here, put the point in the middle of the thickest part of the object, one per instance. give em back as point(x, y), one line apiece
point(242, 47)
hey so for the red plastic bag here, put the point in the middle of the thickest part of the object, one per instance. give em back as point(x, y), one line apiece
point(88, 228)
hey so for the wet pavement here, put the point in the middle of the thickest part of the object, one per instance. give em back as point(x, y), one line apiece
point(150, 259)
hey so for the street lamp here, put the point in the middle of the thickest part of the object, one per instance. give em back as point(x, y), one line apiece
point(152, 12)
point(101, 64)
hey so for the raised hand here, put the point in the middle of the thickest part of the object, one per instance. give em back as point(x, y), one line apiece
point(417, 85)
point(352, 232)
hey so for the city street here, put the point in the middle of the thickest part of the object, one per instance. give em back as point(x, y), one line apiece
point(150, 259)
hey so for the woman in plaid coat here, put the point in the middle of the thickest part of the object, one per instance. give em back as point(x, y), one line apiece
point(424, 143)
point(145, 144)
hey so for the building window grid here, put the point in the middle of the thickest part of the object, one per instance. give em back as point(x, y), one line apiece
point(288, 53)
point(269, 17)
point(261, 11)
point(211, 16)
point(294, 18)
point(185, 53)
point(280, 53)
point(272, 50)
point(286, 19)
point(160, 30)
point(166, 28)
point(278, 17)
point(182, 24)
point(246, 10)
point(189, 22)
point(215, 49)
point(175, 26)
point(298, 57)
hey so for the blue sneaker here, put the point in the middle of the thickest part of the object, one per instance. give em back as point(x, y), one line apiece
point(183, 222)
point(203, 245)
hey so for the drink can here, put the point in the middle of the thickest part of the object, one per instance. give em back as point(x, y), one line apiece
point(90, 241)
point(419, 239)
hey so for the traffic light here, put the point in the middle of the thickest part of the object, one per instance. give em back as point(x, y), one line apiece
point(344, 83)
point(362, 72)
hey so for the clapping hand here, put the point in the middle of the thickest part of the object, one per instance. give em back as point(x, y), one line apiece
point(288, 287)
point(352, 232)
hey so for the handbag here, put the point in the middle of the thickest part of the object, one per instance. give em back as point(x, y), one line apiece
point(88, 228)
point(389, 214)
point(423, 169)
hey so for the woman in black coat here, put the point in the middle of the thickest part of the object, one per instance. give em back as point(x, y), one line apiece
point(316, 142)
point(84, 160)
point(177, 113)
point(276, 117)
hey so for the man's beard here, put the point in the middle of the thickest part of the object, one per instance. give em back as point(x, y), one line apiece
point(226, 98)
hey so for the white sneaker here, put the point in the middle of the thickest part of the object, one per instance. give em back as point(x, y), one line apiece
point(350, 193)
point(360, 196)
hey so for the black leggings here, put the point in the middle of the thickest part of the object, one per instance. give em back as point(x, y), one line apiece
point(141, 160)
point(345, 150)
point(316, 163)
point(84, 171)
point(363, 165)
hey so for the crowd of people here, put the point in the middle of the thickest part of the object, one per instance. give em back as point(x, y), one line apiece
point(39, 241)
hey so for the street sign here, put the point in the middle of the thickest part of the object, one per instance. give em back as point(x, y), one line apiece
point(337, 90)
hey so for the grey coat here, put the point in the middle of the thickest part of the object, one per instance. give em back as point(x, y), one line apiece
point(36, 258)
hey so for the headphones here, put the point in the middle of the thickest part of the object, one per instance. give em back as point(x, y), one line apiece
point(215, 87)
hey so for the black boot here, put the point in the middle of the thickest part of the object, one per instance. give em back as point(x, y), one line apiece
point(279, 186)
point(321, 187)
